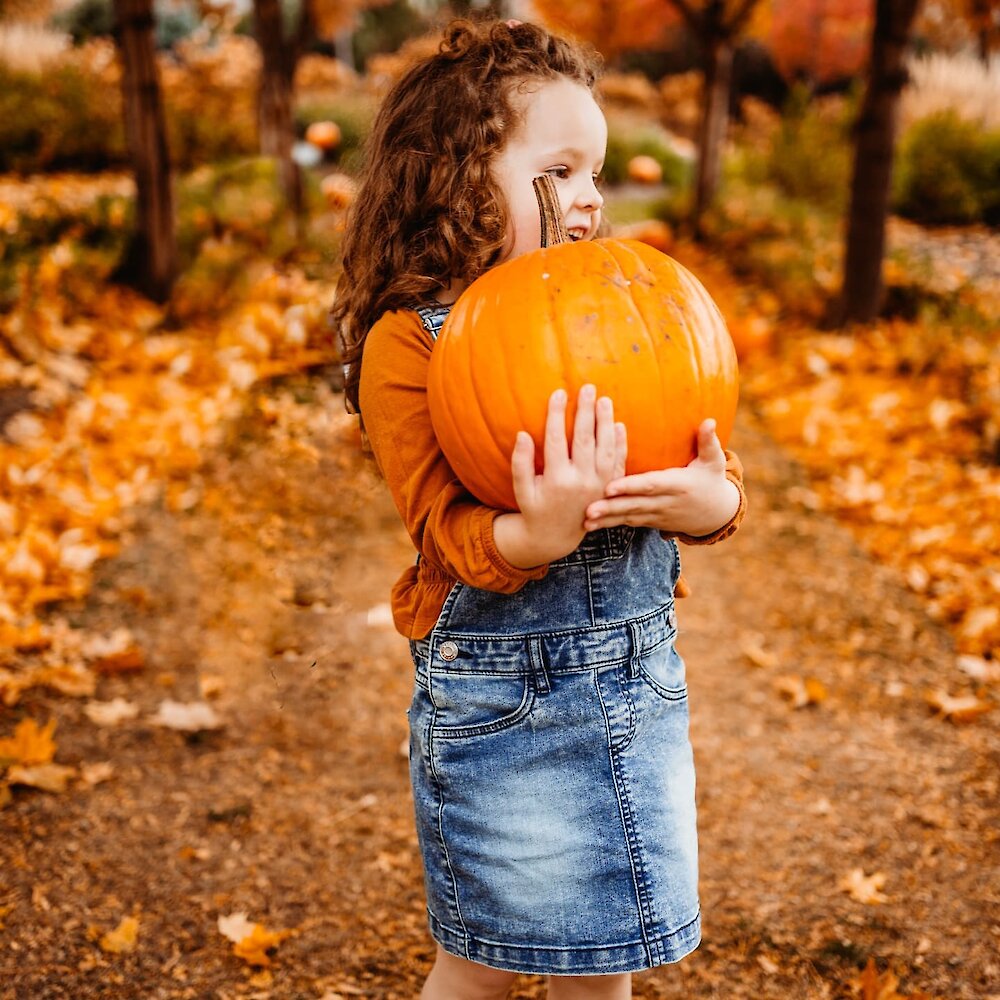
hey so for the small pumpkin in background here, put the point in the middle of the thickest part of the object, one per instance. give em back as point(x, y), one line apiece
point(751, 335)
point(615, 313)
point(653, 232)
point(325, 135)
point(645, 170)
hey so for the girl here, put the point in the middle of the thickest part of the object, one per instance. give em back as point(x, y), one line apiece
point(552, 775)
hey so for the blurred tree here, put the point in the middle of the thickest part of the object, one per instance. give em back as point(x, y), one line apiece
point(815, 42)
point(284, 34)
point(871, 180)
point(150, 259)
point(275, 123)
point(612, 26)
point(954, 25)
point(717, 24)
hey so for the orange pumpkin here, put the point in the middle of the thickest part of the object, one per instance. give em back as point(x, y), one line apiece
point(645, 170)
point(325, 135)
point(615, 313)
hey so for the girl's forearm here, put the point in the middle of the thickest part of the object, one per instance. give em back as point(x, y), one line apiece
point(526, 547)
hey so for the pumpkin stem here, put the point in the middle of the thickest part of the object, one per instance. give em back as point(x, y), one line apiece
point(553, 228)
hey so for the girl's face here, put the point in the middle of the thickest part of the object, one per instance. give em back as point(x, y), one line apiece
point(562, 133)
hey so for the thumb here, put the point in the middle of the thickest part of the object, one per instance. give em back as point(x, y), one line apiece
point(709, 447)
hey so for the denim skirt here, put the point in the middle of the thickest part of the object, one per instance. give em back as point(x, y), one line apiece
point(552, 773)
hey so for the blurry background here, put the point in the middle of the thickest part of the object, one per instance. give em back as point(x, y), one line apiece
point(195, 556)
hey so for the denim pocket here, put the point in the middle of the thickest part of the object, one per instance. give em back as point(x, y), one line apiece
point(663, 670)
point(474, 704)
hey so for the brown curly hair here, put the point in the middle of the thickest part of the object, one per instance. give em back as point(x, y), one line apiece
point(428, 210)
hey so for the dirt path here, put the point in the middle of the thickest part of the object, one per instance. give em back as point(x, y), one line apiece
point(273, 589)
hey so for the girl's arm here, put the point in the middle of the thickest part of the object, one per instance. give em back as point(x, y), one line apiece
point(451, 530)
point(700, 503)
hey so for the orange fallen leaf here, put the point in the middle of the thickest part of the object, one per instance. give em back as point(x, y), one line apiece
point(872, 985)
point(123, 938)
point(964, 708)
point(254, 948)
point(45, 777)
point(801, 691)
point(30, 744)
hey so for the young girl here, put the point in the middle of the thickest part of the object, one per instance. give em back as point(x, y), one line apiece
point(553, 779)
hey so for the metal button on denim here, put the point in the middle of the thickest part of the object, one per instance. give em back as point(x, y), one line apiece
point(448, 651)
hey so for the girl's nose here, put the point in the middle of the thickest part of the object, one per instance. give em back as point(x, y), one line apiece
point(589, 197)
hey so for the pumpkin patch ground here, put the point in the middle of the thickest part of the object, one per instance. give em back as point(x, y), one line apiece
point(848, 832)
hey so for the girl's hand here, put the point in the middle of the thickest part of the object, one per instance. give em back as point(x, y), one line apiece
point(552, 505)
point(696, 500)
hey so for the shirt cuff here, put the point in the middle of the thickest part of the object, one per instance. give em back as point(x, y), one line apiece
point(726, 530)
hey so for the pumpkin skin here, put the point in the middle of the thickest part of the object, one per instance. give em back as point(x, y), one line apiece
point(615, 313)
point(644, 170)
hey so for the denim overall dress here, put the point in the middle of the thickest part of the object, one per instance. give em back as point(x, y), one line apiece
point(553, 777)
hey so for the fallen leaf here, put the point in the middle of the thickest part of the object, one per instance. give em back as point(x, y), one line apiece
point(754, 651)
point(123, 938)
point(211, 685)
point(189, 717)
point(95, 774)
point(254, 948)
point(801, 691)
point(864, 888)
point(75, 681)
point(872, 985)
point(29, 744)
point(979, 669)
point(110, 713)
point(46, 777)
point(964, 708)
point(235, 927)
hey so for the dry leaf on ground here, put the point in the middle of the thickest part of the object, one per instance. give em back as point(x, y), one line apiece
point(110, 713)
point(864, 888)
point(30, 744)
point(963, 708)
point(190, 717)
point(123, 938)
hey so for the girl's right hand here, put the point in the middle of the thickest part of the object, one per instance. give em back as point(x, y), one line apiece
point(552, 504)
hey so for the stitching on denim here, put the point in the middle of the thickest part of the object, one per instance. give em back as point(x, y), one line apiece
point(559, 949)
point(557, 634)
point(487, 728)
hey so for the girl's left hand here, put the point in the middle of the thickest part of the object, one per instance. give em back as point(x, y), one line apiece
point(695, 500)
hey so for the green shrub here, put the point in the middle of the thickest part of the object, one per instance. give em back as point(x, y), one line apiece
point(623, 146)
point(63, 118)
point(948, 171)
point(810, 153)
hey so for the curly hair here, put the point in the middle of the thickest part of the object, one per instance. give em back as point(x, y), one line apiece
point(428, 210)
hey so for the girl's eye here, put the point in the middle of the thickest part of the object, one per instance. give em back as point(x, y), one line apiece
point(561, 172)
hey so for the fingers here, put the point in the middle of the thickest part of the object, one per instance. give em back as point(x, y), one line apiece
point(583, 427)
point(709, 447)
point(522, 466)
point(662, 481)
point(637, 511)
point(555, 448)
point(621, 451)
point(606, 456)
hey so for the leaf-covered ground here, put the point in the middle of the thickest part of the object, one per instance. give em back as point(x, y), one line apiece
point(859, 825)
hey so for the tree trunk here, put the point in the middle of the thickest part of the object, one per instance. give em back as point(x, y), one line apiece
point(871, 181)
point(714, 119)
point(150, 260)
point(274, 107)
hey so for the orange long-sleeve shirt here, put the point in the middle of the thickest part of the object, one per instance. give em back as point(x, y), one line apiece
point(452, 531)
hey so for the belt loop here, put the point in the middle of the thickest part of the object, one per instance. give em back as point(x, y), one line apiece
point(635, 635)
point(537, 660)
